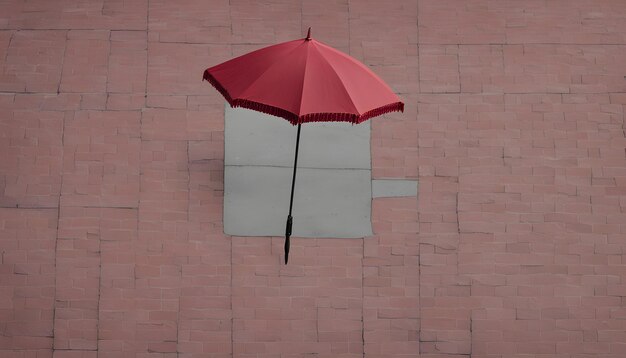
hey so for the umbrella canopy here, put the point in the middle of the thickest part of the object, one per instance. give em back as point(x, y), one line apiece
point(304, 81)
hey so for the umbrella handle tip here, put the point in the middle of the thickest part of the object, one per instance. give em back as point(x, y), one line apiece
point(308, 34)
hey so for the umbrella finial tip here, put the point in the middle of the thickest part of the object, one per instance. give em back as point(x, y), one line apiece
point(308, 34)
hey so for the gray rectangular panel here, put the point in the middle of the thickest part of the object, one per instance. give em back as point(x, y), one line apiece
point(327, 202)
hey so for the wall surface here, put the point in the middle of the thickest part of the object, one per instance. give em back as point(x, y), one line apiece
point(111, 184)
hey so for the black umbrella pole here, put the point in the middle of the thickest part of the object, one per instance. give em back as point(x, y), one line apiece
point(293, 185)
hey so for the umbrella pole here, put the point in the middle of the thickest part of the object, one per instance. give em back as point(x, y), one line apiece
point(293, 185)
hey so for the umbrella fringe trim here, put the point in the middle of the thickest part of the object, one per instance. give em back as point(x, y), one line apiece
point(392, 107)
point(348, 117)
point(267, 109)
point(209, 78)
point(293, 118)
point(260, 107)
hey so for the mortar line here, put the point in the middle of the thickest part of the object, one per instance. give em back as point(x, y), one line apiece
point(99, 292)
point(145, 95)
point(371, 206)
point(419, 246)
point(106, 85)
point(67, 39)
point(58, 225)
point(56, 273)
point(17, 206)
point(6, 55)
point(180, 265)
point(72, 29)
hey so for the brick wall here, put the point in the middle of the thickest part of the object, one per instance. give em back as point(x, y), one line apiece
point(111, 184)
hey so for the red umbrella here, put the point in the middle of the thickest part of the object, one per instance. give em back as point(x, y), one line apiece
point(303, 81)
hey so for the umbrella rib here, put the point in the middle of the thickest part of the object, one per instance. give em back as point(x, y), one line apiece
point(340, 80)
point(243, 93)
point(357, 63)
point(306, 67)
point(391, 107)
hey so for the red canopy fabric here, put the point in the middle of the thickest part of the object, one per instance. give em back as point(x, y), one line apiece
point(303, 81)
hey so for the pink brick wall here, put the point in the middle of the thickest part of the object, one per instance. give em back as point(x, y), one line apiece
point(111, 184)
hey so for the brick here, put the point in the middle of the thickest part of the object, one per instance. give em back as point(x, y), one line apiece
point(96, 101)
point(514, 68)
point(439, 69)
point(32, 61)
point(31, 170)
point(102, 159)
point(329, 21)
point(127, 63)
point(281, 27)
point(170, 68)
point(114, 14)
point(461, 25)
point(31, 301)
point(169, 124)
point(85, 62)
point(190, 22)
point(75, 354)
point(168, 101)
point(123, 102)
point(80, 271)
